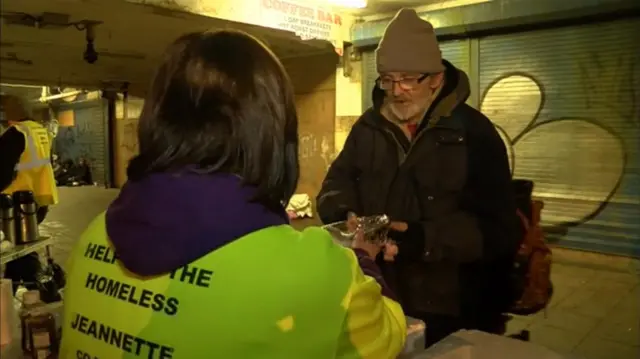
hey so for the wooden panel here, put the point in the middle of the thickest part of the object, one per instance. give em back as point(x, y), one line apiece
point(312, 73)
point(126, 147)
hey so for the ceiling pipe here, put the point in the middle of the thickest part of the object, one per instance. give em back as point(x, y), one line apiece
point(59, 96)
point(18, 85)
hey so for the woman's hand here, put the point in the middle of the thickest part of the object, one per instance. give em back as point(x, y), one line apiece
point(375, 246)
point(352, 222)
point(372, 248)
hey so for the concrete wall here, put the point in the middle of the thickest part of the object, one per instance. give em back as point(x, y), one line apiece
point(126, 137)
point(348, 100)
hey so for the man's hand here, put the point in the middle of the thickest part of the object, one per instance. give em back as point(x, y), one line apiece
point(398, 226)
point(390, 251)
point(373, 248)
point(359, 241)
point(352, 221)
point(390, 246)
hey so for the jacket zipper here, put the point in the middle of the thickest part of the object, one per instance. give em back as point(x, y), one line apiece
point(406, 153)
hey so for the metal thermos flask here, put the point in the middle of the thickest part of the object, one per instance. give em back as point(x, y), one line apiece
point(25, 213)
point(7, 217)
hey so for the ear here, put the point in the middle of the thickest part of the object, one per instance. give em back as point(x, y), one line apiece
point(435, 80)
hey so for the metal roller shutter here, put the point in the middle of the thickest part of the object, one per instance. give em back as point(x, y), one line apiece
point(369, 76)
point(88, 138)
point(456, 52)
point(567, 102)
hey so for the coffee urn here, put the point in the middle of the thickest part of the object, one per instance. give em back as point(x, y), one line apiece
point(7, 217)
point(25, 214)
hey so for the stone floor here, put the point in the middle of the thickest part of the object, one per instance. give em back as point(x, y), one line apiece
point(595, 312)
point(596, 308)
point(67, 220)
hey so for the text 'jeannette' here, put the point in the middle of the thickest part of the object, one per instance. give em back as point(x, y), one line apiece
point(129, 343)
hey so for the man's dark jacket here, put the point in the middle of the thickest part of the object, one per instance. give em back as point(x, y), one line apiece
point(451, 184)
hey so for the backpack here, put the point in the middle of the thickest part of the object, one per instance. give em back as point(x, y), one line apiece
point(532, 266)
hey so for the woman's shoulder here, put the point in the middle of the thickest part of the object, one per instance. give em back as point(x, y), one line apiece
point(314, 238)
point(282, 259)
point(311, 249)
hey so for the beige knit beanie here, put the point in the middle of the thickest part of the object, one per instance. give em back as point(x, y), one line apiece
point(409, 44)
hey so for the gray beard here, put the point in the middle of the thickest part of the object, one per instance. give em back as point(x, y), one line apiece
point(398, 115)
point(390, 112)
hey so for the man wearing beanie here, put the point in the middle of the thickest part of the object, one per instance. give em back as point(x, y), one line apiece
point(438, 168)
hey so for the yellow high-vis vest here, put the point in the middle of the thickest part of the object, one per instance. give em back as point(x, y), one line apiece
point(34, 169)
point(301, 297)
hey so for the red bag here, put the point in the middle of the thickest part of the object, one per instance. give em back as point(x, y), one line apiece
point(533, 263)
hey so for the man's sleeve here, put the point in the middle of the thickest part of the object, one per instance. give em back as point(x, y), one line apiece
point(338, 194)
point(491, 198)
point(12, 144)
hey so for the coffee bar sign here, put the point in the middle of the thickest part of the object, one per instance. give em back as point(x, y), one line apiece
point(298, 16)
point(308, 22)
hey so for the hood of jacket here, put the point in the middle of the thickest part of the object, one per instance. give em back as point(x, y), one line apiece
point(165, 221)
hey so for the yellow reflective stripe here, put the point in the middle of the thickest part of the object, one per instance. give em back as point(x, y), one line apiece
point(32, 164)
point(33, 151)
point(377, 325)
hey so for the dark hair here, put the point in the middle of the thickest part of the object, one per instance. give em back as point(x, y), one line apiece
point(221, 102)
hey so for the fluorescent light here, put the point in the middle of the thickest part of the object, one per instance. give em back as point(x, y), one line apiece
point(352, 4)
point(448, 4)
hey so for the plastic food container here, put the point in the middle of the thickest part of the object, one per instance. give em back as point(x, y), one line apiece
point(473, 344)
point(8, 313)
point(374, 228)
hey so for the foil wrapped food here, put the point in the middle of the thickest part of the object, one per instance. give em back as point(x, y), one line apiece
point(374, 228)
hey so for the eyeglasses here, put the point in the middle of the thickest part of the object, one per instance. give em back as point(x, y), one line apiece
point(407, 83)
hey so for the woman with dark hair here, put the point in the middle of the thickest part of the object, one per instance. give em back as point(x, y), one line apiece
point(196, 258)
